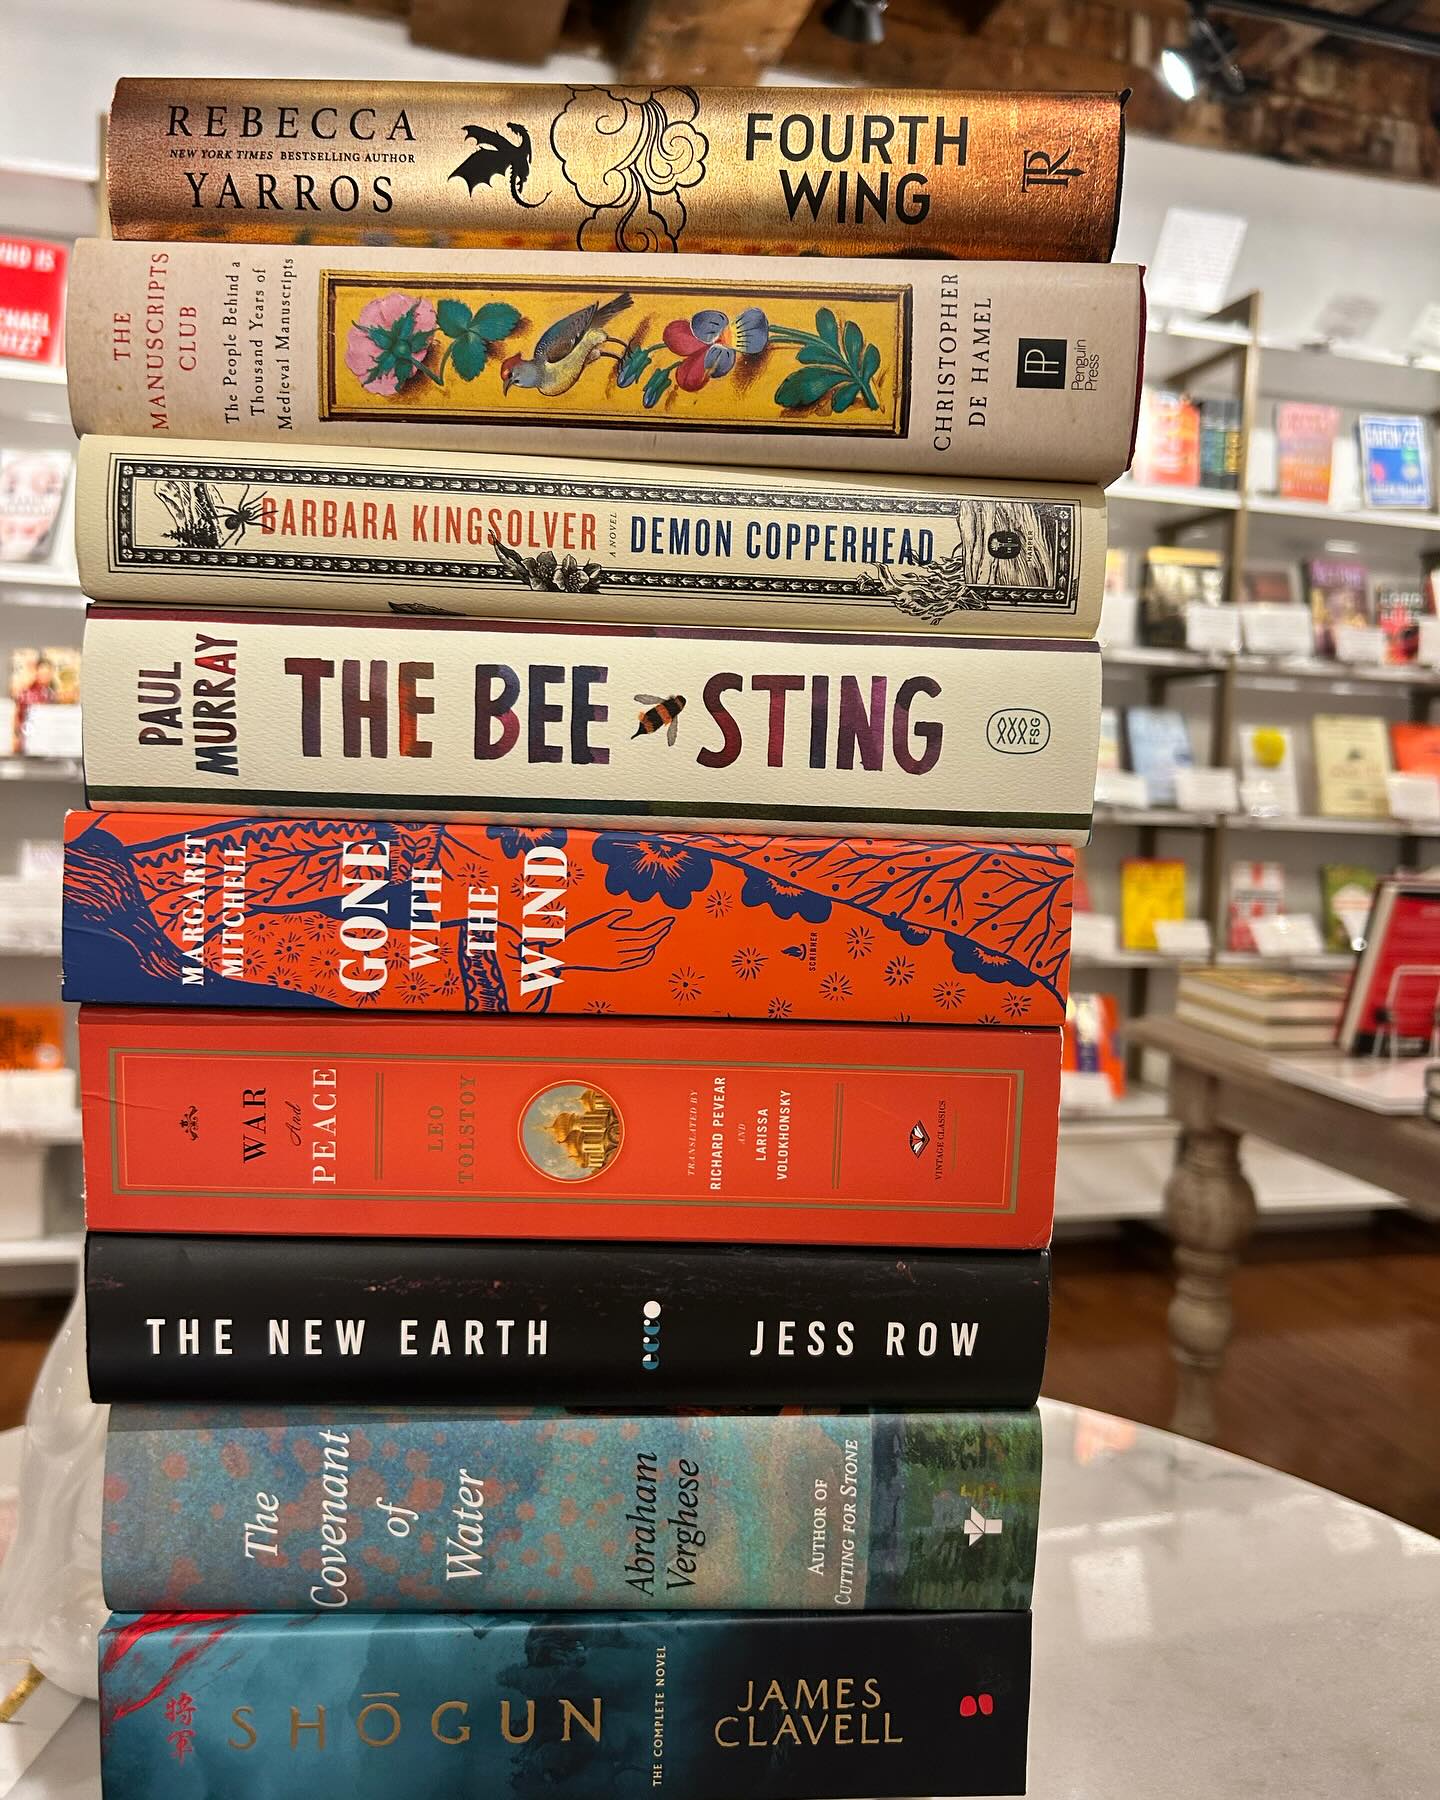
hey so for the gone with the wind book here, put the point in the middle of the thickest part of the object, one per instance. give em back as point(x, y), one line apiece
point(539, 723)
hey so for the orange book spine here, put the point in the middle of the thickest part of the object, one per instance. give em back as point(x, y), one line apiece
point(188, 909)
point(296, 1124)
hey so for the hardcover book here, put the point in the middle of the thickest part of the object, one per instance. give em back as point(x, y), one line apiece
point(1346, 893)
point(1304, 449)
point(1272, 1009)
point(1159, 745)
point(1339, 598)
point(1269, 786)
point(1167, 451)
point(1151, 888)
point(1416, 747)
point(1394, 994)
point(1261, 584)
point(1092, 1040)
point(1399, 608)
point(1220, 444)
point(932, 368)
point(809, 170)
point(41, 676)
point(1257, 891)
point(32, 491)
point(324, 1319)
point(33, 1037)
point(779, 1706)
point(1175, 580)
point(568, 1511)
point(435, 532)
point(541, 724)
point(297, 1125)
point(1107, 758)
point(1394, 460)
point(1352, 759)
point(186, 909)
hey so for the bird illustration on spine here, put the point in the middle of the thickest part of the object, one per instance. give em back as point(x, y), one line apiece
point(566, 349)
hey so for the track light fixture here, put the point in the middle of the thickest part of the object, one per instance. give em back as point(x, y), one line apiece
point(1207, 65)
point(857, 21)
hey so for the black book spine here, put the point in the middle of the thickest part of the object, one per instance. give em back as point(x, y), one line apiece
point(383, 1320)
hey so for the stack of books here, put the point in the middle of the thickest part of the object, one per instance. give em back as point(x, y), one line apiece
point(574, 951)
point(1273, 1009)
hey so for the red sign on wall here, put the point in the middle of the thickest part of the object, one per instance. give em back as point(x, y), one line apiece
point(32, 299)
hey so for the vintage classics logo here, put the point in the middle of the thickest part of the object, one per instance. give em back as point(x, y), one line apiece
point(919, 1139)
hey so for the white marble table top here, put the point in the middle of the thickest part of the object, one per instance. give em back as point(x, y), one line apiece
point(1205, 1629)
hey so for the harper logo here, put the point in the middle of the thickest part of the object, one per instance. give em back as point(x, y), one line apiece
point(190, 1123)
point(919, 1139)
point(1040, 363)
point(1041, 169)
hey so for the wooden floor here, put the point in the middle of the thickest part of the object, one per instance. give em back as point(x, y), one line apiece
point(1333, 1373)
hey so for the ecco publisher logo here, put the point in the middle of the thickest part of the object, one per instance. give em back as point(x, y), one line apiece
point(650, 1337)
point(1041, 363)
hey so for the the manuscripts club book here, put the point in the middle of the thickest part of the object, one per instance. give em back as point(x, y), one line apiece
point(539, 722)
point(813, 170)
point(936, 368)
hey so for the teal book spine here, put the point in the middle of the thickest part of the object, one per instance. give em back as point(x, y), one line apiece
point(329, 1510)
point(563, 1706)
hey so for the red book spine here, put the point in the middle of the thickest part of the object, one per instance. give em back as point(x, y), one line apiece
point(302, 1124)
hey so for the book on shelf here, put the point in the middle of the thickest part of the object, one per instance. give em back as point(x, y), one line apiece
point(193, 910)
point(32, 1037)
point(1394, 460)
point(772, 360)
point(1257, 891)
point(530, 722)
point(1399, 608)
point(1176, 579)
point(32, 491)
point(568, 1510)
point(628, 543)
point(1108, 754)
point(1167, 443)
point(819, 171)
point(1393, 1000)
point(1152, 888)
point(1219, 465)
point(1159, 742)
point(1272, 1009)
point(1304, 450)
point(1416, 747)
point(514, 1706)
point(1269, 786)
point(1268, 584)
point(446, 1125)
point(1352, 759)
point(1092, 1042)
point(1346, 893)
point(42, 677)
point(32, 299)
point(1339, 600)
point(467, 1322)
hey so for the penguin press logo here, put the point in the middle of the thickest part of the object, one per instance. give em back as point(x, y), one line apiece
point(1040, 362)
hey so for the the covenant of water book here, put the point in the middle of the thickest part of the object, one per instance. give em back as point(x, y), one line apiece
point(542, 723)
point(829, 171)
point(951, 369)
point(446, 532)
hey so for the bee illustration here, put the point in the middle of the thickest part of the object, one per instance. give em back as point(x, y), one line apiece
point(660, 712)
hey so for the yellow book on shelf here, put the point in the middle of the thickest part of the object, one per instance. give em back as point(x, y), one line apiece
point(1352, 759)
point(1151, 888)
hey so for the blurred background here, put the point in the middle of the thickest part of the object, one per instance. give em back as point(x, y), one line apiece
point(1281, 185)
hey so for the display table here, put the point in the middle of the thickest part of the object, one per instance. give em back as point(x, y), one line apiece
point(1205, 1629)
point(1219, 1091)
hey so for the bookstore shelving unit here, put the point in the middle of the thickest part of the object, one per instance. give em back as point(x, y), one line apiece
point(40, 604)
point(1230, 352)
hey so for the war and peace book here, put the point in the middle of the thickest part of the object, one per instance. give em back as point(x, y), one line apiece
point(303, 1124)
point(334, 1509)
point(193, 909)
point(540, 723)
point(813, 170)
point(952, 369)
point(780, 1706)
point(468, 1321)
point(429, 531)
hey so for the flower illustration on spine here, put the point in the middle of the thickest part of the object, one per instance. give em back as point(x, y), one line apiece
point(837, 366)
point(391, 342)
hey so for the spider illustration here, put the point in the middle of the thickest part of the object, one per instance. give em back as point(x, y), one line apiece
point(236, 520)
point(203, 519)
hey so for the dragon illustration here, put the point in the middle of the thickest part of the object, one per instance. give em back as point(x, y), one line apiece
point(495, 156)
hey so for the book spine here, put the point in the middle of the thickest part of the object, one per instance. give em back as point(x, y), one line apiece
point(427, 1511)
point(534, 723)
point(297, 1124)
point(627, 543)
point(815, 171)
point(958, 370)
point(781, 1707)
point(329, 1319)
point(377, 914)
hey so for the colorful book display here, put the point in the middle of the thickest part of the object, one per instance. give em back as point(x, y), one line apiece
point(1304, 449)
point(573, 953)
point(1394, 460)
point(1151, 889)
point(1339, 599)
